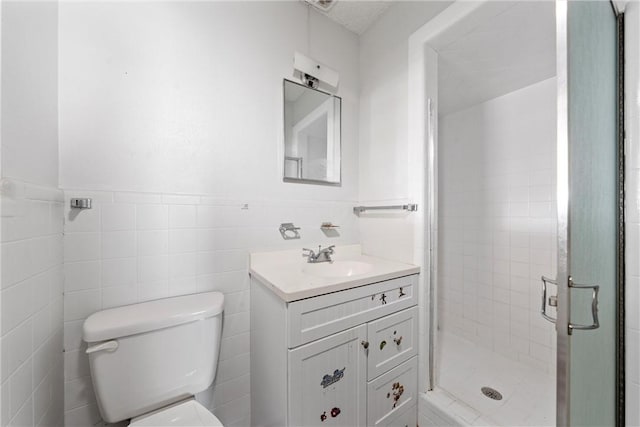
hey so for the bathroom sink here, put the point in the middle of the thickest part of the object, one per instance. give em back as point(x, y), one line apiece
point(337, 269)
point(293, 279)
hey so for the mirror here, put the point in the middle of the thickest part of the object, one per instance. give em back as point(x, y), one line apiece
point(311, 135)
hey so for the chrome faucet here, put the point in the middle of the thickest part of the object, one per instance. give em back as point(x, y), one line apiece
point(323, 255)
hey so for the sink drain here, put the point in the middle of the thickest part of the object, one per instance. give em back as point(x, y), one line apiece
point(491, 393)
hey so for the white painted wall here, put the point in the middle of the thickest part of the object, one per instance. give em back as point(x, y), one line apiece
point(31, 385)
point(181, 97)
point(632, 291)
point(384, 155)
point(497, 222)
point(30, 92)
point(158, 99)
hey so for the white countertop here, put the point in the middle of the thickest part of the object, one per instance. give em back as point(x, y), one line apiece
point(282, 272)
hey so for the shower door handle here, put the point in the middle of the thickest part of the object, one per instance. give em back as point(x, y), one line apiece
point(595, 289)
point(552, 301)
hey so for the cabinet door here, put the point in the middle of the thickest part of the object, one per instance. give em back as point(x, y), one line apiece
point(327, 381)
point(392, 340)
point(391, 394)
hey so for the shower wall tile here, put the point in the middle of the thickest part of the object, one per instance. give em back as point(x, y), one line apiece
point(497, 223)
point(32, 300)
point(134, 247)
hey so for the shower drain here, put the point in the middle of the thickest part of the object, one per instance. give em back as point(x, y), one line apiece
point(491, 393)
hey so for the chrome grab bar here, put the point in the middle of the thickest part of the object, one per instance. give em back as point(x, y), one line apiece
point(553, 301)
point(594, 307)
point(411, 207)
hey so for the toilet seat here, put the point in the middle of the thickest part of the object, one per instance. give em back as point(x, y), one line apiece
point(187, 413)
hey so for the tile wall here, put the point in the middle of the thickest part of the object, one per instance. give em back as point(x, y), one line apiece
point(31, 305)
point(134, 247)
point(497, 222)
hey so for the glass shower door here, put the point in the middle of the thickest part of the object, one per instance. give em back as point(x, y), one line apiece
point(587, 213)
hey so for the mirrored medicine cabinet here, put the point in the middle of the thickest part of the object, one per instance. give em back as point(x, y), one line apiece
point(312, 128)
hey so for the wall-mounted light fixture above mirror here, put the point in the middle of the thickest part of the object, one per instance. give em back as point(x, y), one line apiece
point(311, 135)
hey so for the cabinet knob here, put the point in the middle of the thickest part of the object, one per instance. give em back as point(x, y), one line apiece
point(365, 344)
point(335, 412)
point(398, 341)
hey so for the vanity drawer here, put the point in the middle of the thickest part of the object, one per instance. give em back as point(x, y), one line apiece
point(408, 418)
point(392, 340)
point(392, 394)
point(313, 318)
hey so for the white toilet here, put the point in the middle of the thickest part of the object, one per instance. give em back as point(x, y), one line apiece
point(148, 360)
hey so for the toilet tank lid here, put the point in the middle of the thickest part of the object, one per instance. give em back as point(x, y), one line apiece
point(150, 316)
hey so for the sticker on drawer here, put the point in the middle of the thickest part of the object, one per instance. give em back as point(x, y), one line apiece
point(392, 393)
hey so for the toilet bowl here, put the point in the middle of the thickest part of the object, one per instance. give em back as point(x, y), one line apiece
point(149, 360)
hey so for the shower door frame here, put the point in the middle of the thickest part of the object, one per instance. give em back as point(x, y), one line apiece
point(563, 362)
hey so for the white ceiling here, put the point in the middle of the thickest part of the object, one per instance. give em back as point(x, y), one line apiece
point(503, 53)
point(357, 15)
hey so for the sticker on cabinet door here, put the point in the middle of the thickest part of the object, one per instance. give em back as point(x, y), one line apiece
point(327, 380)
point(397, 390)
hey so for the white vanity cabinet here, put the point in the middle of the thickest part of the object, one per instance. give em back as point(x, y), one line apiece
point(346, 358)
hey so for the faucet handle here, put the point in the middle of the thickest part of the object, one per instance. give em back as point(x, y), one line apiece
point(310, 252)
point(330, 249)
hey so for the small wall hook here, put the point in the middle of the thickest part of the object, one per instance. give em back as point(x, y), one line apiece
point(81, 203)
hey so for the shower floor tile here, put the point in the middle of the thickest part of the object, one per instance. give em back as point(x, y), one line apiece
point(528, 395)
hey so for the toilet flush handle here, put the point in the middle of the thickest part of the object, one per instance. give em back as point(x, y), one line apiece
point(105, 346)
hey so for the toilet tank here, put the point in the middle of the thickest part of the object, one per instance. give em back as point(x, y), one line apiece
point(146, 356)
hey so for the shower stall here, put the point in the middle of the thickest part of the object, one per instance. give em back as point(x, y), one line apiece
point(496, 218)
point(502, 118)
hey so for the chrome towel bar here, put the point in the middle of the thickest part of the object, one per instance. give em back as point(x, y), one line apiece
point(412, 207)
